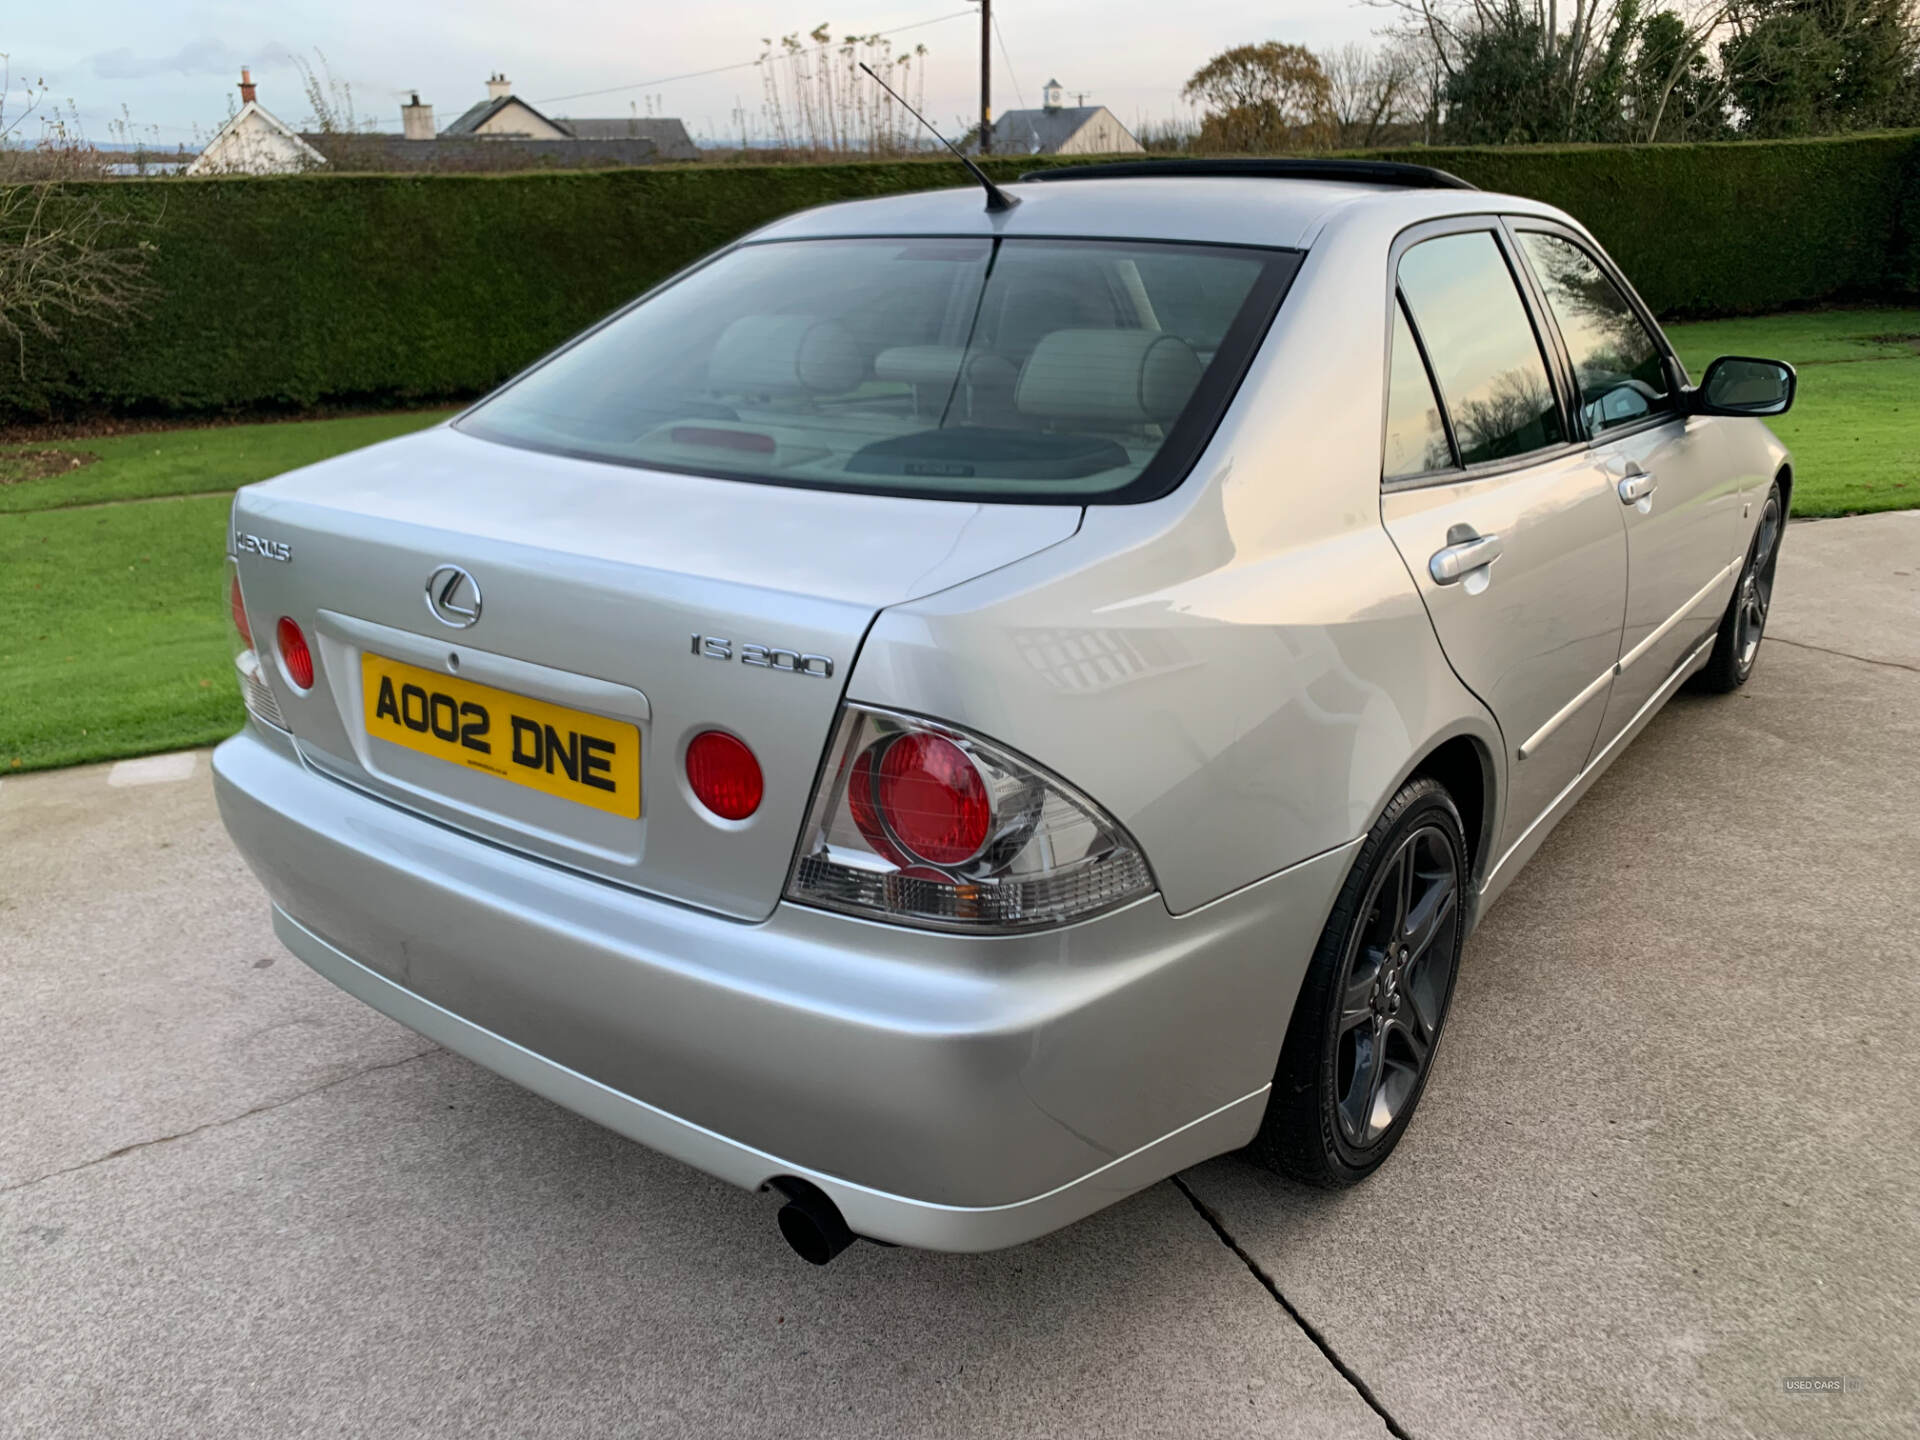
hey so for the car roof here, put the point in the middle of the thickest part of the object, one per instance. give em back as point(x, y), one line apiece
point(1221, 210)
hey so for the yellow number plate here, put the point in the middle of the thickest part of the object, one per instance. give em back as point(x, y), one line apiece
point(569, 753)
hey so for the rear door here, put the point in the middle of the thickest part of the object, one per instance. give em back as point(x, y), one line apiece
point(1510, 529)
point(1680, 503)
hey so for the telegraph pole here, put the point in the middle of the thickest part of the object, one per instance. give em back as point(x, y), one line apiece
point(986, 77)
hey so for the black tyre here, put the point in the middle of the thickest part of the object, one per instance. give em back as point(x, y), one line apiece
point(1737, 645)
point(1368, 1019)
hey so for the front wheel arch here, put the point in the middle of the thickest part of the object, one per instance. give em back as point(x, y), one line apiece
point(1743, 624)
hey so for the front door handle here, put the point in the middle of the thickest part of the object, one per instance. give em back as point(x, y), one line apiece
point(1455, 562)
point(1637, 487)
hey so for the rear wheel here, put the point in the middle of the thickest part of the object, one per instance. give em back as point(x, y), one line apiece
point(1737, 645)
point(1368, 1018)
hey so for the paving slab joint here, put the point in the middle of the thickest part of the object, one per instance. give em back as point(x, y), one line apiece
point(1846, 654)
point(1207, 1213)
point(202, 1128)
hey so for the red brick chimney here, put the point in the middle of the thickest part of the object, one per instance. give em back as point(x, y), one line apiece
point(246, 86)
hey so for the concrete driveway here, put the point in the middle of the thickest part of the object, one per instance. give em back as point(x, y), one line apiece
point(1670, 1156)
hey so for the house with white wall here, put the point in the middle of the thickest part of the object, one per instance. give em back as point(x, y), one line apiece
point(1058, 128)
point(502, 132)
point(504, 115)
point(255, 141)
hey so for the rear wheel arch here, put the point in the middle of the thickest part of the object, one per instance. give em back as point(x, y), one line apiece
point(1391, 944)
point(1465, 767)
point(1461, 758)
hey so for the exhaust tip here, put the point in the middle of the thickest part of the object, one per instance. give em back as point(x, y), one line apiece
point(811, 1223)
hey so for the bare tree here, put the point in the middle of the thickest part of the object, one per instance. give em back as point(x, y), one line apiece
point(65, 254)
point(1429, 85)
point(1369, 90)
point(1574, 38)
point(1700, 20)
point(1568, 41)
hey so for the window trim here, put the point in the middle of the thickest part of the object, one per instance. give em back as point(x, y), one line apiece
point(1677, 376)
point(1172, 465)
point(1398, 306)
point(1558, 377)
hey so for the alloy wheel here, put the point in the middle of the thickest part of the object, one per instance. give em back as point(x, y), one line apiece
point(1756, 587)
point(1394, 986)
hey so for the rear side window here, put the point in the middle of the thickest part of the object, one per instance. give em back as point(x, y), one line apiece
point(1416, 440)
point(1074, 370)
point(1493, 378)
point(1615, 358)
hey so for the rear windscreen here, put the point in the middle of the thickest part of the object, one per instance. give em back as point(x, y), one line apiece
point(1077, 370)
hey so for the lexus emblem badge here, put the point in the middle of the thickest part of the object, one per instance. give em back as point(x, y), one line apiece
point(453, 596)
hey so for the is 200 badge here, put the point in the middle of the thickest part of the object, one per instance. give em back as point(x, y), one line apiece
point(767, 657)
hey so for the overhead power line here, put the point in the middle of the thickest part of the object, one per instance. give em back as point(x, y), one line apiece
point(723, 69)
point(1018, 93)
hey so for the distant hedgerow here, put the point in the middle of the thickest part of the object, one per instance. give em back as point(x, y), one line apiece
point(370, 290)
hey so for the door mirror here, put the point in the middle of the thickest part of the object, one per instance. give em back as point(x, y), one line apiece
point(1741, 385)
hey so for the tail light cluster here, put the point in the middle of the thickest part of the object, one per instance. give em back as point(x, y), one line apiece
point(294, 653)
point(246, 660)
point(926, 824)
point(236, 607)
point(296, 657)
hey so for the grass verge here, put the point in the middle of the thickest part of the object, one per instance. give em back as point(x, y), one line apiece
point(1855, 427)
point(114, 641)
point(184, 462)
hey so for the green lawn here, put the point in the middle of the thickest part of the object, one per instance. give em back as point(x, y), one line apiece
point(113, 621)
point(115, 633)
point(113, 629)
point(187, 462)
point(1855, 426)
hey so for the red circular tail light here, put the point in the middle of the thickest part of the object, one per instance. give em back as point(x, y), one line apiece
point(865, 810)
point(934, 799)
point(724, 775)
point(294, 653)
point(239, 609)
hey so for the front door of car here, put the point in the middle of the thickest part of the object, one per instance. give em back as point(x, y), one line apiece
point(1681, 501)
point(1512, 532)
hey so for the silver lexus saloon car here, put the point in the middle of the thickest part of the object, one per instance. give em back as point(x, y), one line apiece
point(952, 713)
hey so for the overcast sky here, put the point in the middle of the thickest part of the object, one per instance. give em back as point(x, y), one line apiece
point(173, 67)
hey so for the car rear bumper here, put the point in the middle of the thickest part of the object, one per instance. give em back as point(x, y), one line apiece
point(946, 1091)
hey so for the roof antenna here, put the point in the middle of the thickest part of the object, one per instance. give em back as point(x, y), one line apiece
point(997, 199)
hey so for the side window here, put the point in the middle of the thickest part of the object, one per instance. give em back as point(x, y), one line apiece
point(1416, 440)
point(1480, 341)
point(1615, 360)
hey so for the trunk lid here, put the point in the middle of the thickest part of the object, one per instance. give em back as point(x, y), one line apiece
point(636, 597)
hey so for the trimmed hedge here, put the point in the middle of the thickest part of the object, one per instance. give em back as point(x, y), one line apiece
point(1903, 265)
point(1728, 229)
point(387, 290)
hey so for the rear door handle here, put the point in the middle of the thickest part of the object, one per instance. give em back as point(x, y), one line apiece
point(1454, 563)
point(1637, 487)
